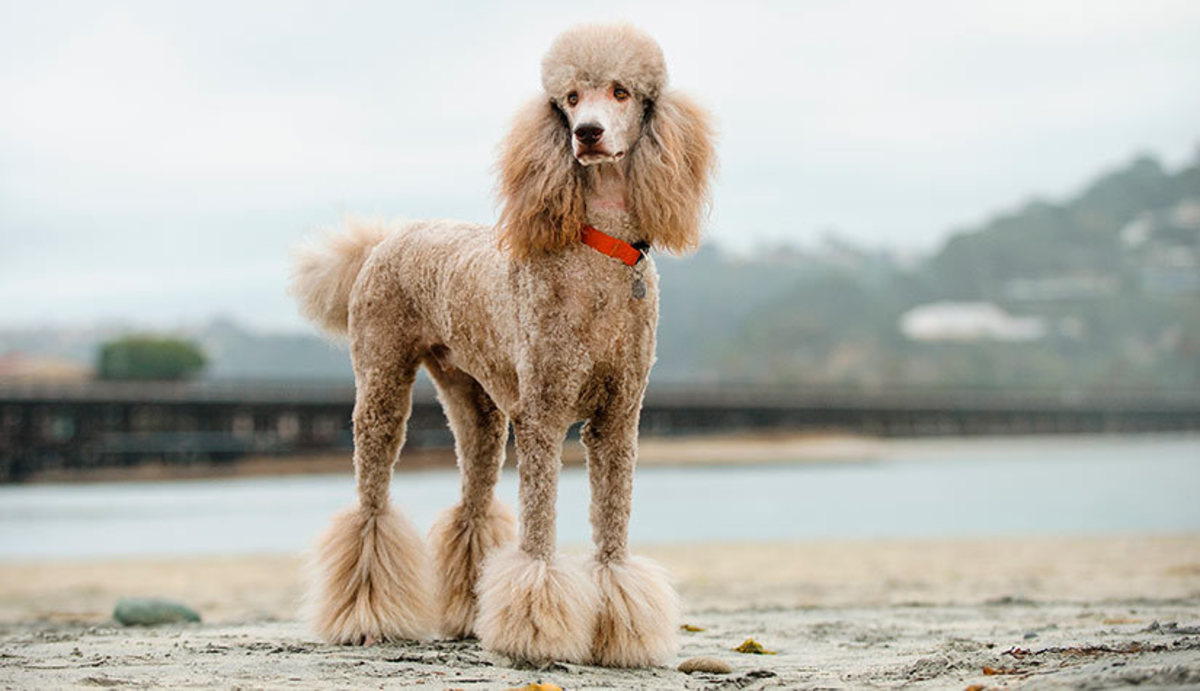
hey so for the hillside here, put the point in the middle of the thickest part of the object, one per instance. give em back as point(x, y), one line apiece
point(1106, 284)
point(1111, 276)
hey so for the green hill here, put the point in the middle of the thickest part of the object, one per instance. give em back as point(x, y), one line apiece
point(1112, 275)
point(1106, 285)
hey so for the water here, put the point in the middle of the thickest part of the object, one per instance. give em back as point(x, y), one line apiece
point(955, 488)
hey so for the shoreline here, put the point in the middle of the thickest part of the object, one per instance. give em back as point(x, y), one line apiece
point(741, 449)
point(715, 576)
point(681, 451)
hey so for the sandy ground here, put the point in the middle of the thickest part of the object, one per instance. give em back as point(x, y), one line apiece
point(1044, 613)
point(716, 449)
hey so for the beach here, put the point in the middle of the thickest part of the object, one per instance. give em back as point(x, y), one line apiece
point(739, 449)
point(935, 613)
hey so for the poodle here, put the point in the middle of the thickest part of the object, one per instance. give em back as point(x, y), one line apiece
point(542, 321)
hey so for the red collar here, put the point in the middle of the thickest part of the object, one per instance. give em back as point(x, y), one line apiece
point(608, 245)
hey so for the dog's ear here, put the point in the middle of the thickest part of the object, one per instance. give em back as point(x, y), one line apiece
point(540, 189)
point(670, 172)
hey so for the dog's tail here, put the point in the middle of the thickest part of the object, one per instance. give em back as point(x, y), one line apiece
point(323, 276)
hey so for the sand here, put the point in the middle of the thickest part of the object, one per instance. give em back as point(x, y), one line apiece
point(1061, 613)
point(715, 449)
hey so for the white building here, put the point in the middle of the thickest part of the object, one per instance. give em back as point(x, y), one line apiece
point(968, 321)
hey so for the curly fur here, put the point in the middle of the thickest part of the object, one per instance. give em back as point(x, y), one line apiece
point(541, 335)
point(597, 54)
point(669, 173)
point(323, 276)
point(542, 187)
point(461, 542)
point(370, 580)
point(638, 615)
point(535, 610)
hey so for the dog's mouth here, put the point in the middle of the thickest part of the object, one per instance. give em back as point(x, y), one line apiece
point(592, 156)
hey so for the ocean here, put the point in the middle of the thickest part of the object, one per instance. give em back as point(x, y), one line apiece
point(1010, 487)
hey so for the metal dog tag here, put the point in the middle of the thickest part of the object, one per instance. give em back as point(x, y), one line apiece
point(639, 288)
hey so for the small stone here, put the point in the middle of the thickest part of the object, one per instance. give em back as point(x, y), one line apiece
point(1029, 635)
point(140, 611)
point(710, 665)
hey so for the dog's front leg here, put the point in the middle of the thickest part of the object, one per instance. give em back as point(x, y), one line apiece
point(533, 605)
point(638, 607)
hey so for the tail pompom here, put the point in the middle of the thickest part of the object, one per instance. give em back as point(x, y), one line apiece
point(323, 276)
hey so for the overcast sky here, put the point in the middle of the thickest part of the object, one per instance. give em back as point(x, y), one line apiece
point(159, 159)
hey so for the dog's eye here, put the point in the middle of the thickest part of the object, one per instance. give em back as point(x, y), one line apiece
point(572, 98)
point(620, 93)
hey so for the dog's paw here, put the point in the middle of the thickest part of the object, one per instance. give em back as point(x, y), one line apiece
point(639, 613)
point(534, 610)
point(461, 543)
point(370, 580)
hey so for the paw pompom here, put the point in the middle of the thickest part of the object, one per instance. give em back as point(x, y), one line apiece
point(370, 580)
point(535, 610)
point(461, 544)
point(639, 614)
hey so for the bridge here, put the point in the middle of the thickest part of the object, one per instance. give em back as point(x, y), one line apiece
point(99, 424)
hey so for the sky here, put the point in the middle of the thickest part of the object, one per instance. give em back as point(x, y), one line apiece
point(159, 160)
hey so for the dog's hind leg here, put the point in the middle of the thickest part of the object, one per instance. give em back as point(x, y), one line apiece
point(467, 532)
point(638, 607)
point(371, 567)
point(533, 605)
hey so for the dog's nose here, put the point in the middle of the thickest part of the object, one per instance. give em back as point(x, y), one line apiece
point(588, 133)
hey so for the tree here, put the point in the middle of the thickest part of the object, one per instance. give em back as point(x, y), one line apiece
point(149, 357)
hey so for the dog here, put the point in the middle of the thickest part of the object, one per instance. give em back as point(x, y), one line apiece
point(544, 320)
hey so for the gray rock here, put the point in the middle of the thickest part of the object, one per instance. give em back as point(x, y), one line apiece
point(704, 664)
point(142, 611)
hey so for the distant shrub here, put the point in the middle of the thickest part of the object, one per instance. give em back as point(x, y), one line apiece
point(149, 357)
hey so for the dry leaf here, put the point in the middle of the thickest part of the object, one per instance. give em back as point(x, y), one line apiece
point(692, 629)
point(753, 647)
point(992, 671)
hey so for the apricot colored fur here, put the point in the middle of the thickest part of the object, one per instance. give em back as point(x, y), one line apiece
point(518, 324)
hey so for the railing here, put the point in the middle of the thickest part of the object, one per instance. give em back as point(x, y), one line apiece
point(98, 423)
point(741, 394)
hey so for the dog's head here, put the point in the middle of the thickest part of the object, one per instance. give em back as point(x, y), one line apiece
point(605, 101)
point(603, 79)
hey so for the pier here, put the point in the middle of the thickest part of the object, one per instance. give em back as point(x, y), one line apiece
point(97, 424)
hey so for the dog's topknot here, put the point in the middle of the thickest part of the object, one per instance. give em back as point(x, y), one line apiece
point(600, 54)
